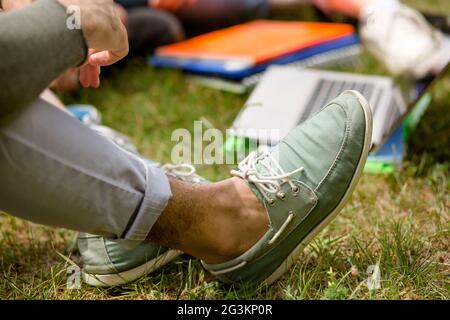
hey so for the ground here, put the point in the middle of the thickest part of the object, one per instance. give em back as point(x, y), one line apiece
point(399, 222)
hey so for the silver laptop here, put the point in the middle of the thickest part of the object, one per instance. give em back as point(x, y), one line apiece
point(287, 96)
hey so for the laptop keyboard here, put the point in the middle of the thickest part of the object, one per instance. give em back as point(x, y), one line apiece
point(326, 90)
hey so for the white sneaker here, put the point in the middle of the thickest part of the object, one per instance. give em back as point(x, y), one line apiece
point(405, 42)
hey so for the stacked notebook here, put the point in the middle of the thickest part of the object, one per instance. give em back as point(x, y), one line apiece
point(248, 49)
point(341, 57)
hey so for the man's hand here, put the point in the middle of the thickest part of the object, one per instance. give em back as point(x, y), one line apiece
point(105, 34)
point(170, 5)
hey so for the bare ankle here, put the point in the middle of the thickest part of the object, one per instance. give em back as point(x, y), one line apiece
point(215, 222)
point(243, 220)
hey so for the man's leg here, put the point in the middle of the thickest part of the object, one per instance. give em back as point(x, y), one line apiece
point(105, 262)
point(56, 171)
point(213, 222)
point(250, 228)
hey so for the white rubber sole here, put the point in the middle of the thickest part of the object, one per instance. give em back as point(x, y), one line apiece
point(293, 256)
point(108, 280)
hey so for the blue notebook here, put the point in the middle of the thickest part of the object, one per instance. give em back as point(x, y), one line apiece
point(237, 71)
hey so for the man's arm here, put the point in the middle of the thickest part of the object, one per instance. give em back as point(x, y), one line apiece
point(35, 47)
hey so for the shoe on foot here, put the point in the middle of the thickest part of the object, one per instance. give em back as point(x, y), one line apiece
point(106, 263)
point(404, 41)
point(303, 183)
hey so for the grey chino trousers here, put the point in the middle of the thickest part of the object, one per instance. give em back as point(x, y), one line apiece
point(56, 171)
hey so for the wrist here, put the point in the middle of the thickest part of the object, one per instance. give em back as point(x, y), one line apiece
point(87, 16)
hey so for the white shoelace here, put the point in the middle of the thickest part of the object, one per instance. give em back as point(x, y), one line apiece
point(180, 170)
point(184, 172)
point(268, 183)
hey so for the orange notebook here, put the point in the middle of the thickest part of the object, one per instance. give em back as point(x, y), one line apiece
point(256, 42)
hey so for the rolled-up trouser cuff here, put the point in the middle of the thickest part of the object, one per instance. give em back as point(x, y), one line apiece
point(157, 194)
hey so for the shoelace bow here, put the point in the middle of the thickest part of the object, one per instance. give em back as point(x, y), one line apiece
point(268, 183)
point(181, 170)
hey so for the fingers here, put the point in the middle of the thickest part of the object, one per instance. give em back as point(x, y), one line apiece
point(103, 31)
point(90, 76)
point(105, 58)
point(90, 71)
point(105, 34)
point(114, 53)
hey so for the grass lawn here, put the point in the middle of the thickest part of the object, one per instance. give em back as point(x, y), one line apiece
point(400, 222)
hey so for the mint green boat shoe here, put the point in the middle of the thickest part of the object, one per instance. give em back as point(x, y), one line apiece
point(106, 263)
point(303, 183)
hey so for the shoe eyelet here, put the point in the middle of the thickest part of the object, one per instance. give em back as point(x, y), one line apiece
point(295, 191)
point(271, 202)
point(281, 195)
